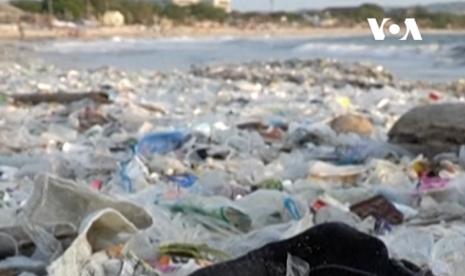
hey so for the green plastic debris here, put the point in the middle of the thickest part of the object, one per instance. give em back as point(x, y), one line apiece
point(271, 184)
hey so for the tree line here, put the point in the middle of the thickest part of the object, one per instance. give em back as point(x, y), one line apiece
point(135, 12)
point(146, 11)
point(424, 17)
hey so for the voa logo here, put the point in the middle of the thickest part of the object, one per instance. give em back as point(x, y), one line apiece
point(411, 29)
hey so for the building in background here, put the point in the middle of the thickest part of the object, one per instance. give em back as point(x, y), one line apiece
point(222, 4)
point(181, 3)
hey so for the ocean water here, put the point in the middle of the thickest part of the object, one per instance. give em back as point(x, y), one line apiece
point(436, 58)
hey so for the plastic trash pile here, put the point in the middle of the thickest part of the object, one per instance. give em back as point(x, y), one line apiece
point(106, 172)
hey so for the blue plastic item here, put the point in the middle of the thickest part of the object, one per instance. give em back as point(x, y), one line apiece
point(291, 207)
point(161, 143)
point(125, 179)
point(184, 180)
point(353, 155)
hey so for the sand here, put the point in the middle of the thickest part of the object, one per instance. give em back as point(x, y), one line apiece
point(11, 32)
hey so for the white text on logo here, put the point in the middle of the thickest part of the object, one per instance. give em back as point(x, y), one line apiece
point(411, 28)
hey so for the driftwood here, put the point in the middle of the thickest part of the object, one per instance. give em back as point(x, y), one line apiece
point(60, 98)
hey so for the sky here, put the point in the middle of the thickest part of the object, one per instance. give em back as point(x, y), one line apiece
point(247, 5)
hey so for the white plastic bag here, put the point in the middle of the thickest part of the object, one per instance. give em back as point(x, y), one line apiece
point(99, 231)
point(448, 256)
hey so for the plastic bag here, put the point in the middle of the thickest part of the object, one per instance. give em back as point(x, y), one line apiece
point(333, 214)
point(367, 149)
point(21, 263)
point(98, 231)
point(48, 247)
point(388, 174)
point(237, 245)
point(216, 212)
point(59, 201)
point(296, 266)
point(410, 244)
point(7, 173)
point(215, 182)
point(170, 228)
point(133, 175)
point(266, 207)
point(8, 245)
point(448, 256)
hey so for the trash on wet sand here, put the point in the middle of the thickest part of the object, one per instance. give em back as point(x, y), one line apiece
point(244, 169)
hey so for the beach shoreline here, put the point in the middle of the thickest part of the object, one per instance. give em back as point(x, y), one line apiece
point(11, 32)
